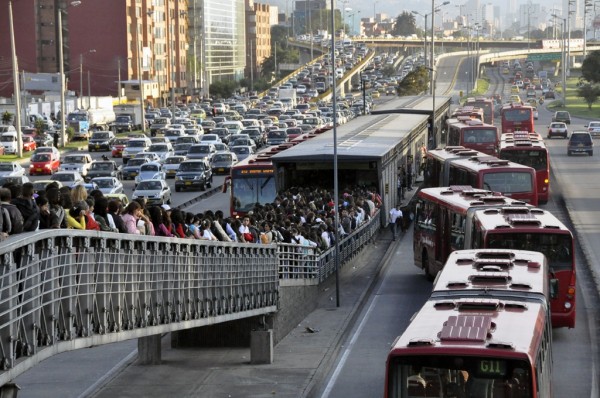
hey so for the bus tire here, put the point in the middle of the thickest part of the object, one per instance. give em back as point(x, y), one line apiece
point(426, 267)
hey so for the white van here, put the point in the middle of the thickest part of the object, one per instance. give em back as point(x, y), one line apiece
point(234, 126)
point(9, 142)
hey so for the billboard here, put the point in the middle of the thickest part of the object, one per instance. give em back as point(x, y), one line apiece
point(41, 81)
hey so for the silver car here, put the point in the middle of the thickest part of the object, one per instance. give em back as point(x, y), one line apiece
point(108, 185)
point(11, 169)
point(150, 171)
point(154, 191)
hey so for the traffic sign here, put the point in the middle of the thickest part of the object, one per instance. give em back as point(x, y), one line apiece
point(544, 57)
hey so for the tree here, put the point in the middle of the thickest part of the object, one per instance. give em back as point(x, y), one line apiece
point(415, 82)
point(590, 69)
point(288, 55)
point(405, 24)
point(590, 93)
point(223, 88)
point(7, 117)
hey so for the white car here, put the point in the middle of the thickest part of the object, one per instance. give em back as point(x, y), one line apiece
point(80, 162)
point(11, 169)
point(535, 113)
point(108, 185)
point(154, 191)
point(210, 139)
point(593, 128)
point(68, 178)
point(163, 150)
point(150, 171)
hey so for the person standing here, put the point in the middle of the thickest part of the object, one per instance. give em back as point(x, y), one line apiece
point(395, 219)
point(409, 176)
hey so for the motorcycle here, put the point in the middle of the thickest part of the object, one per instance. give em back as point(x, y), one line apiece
point(541, 100)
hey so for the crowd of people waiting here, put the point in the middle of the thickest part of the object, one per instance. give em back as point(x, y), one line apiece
point(303, 216)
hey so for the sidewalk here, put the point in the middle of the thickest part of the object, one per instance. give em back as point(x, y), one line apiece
point(301, 359)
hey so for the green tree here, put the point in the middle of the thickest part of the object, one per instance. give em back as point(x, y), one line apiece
point(589, 93)
point(590, 69)
point(388, 70)
point(223, 88)
point(7, 117)
point(284, 55)
point(415, 82)
point(39, 126)
point(405, 24)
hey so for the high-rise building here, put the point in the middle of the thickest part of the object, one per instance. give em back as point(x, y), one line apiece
point(103, 42)
point(258, 37)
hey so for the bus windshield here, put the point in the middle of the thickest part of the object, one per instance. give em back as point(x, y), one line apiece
point(509, 182)
point(517, 115)
point(535, 159)
point(556, 247)
point(480, 136)
point(459, 376)
point(248, 191)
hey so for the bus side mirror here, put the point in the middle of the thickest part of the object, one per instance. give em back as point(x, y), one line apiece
point(553, 288)
point(226, 184)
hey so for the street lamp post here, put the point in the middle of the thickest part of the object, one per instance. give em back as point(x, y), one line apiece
point(17, 90)
point(431, 58)
point(424, 34)
point(563, 59)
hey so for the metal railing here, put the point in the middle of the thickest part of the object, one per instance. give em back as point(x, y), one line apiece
point(63, 289)
point(60, 292)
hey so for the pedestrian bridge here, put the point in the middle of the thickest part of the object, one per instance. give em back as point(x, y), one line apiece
point(62, 290)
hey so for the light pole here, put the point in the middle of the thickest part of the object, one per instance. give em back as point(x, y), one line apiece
point(563, 59)
point(81, 78)
point(424, 34)
point(432, 59)
point(17, 90)
point(586, 5)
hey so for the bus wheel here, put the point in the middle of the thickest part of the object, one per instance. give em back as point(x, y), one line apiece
point(426, 266)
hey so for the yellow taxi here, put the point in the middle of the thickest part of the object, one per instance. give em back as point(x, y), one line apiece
point(514, 89)
point(375, 94)
point(515, 98)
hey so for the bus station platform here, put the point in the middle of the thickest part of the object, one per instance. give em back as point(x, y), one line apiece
point(300, 361)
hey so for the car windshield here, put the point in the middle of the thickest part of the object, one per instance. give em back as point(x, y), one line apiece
point(6, 167)
point(149, 186)
point(64, 177)
point(199, 149)
point(149, 167)
point(136, 162)
point(158, 148)
point(209, 137)
point(101, 166)
point(41, 157)
point(241, 150)
point(173, 160)
point(191, 166)
point(222, 157)
point(136, 144)
point(74, 159)
point(104, 182)
point(121, 141)
point(100, 136)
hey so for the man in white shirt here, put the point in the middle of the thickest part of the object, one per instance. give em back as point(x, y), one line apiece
point(395, 219)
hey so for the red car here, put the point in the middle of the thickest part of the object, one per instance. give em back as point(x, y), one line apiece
point(44, 163)
point(117, 147)
point(28, 143)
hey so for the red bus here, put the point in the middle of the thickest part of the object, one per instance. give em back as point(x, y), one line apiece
point(471, 111)
point(454, 166)
point(487, 104)
point(516, 117)
point(440, 226)
point(251, 181)
point(511, 274)
point(465, 347)
point(537, 230)
point(530, 150)
point(474, 134)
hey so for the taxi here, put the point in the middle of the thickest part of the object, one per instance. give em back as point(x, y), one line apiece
point(515, 98)
point(118, 146)
point(514, 89)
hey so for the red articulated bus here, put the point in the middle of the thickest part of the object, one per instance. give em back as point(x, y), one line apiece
point(516, 117)
point(537, 230)
point(441, 216)
point(474, 134)
point(530, 150)
point(473, 347)
point(487, 104)
point(473, 112)
point(456, 166)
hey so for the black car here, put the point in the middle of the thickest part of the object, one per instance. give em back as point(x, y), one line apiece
point(43, 139)
point(580, 142)
point(194, 173)
point(104, 168)
point(101, 141)
point(562, 116)
point(549, 94)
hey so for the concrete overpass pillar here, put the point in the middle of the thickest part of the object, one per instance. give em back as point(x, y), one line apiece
point(149, 350)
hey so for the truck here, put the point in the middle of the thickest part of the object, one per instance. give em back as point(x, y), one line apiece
point(84, 121)
point(288, 97)
point(134, 111)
